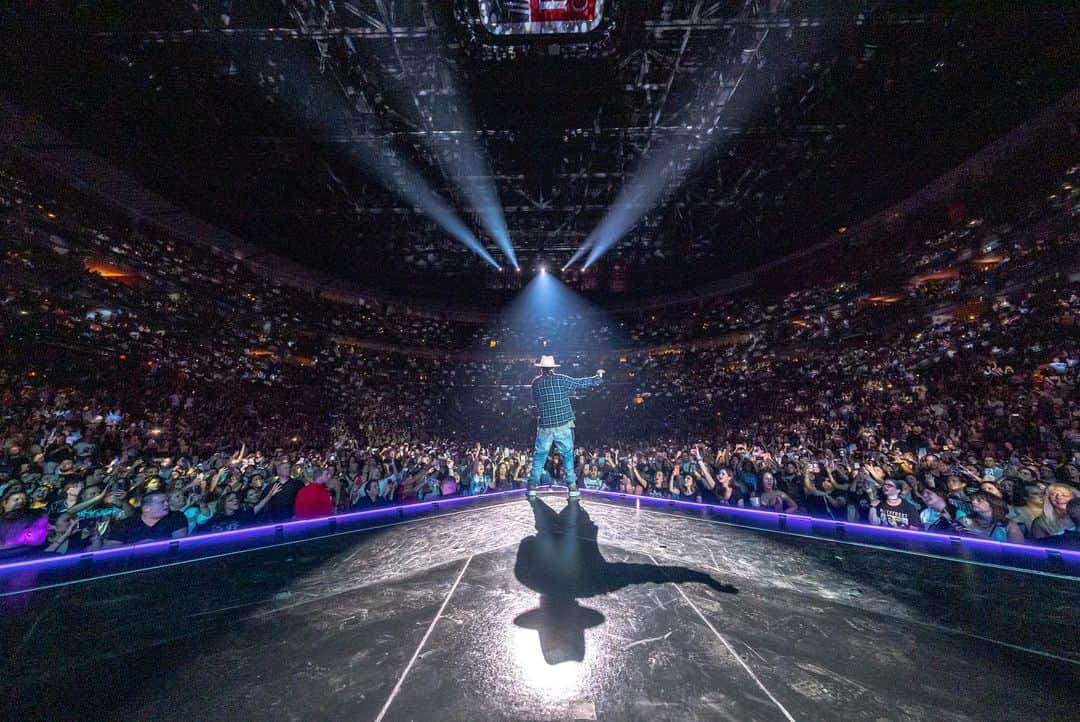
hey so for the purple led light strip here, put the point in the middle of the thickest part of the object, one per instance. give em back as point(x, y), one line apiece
point(253, 532)
point(907, 534)
point(250, 532)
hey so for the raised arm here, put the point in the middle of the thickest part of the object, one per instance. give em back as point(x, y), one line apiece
point(840, 479)
point(875, 502)
point(586, 382)
point(278, 486)
point(90, 502)
point(808, 485)
point(706, 473)
point(414, 481)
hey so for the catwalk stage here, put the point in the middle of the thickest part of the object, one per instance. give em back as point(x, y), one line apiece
point(549, 611)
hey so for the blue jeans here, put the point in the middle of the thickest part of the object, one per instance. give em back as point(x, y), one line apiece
point(563, 437)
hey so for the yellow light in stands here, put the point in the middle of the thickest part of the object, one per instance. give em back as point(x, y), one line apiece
point(949, 274)
point(106, 273)
point(111, 272)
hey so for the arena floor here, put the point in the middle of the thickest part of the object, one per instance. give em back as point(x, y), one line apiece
point(550, 611)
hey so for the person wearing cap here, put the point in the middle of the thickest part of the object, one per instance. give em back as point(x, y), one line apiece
point(551, 393)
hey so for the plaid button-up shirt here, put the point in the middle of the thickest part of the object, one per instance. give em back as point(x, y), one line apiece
point(552, 396)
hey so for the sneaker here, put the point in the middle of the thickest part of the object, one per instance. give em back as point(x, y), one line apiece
point(574, 493)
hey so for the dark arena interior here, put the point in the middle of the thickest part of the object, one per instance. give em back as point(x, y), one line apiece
point(540, 360)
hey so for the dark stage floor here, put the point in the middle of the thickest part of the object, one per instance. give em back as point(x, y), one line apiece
point(550, 612)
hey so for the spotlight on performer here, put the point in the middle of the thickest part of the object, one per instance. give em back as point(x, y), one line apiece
point(537, 316)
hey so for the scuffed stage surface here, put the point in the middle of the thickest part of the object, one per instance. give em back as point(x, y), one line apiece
point(550, 612)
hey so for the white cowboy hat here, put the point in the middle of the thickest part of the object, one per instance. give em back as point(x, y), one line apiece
point(547, 362)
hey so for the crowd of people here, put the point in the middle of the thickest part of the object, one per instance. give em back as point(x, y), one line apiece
point(149, 390)
point(80, 502)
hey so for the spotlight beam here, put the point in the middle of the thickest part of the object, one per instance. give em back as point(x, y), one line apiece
point(471, 172)
point(412, 188)
point(474, 176)
point(385, 165)
point(635, 200)
point(659, 174)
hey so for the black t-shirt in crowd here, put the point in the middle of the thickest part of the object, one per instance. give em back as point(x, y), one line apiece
point(228, 522)
point(366, 502)
point(282, 505)
point(902, 515)
point(818, 507)
point(707, 497)
point(740, 494)
point(715, 497)
point(791, 485)
point(133, 529)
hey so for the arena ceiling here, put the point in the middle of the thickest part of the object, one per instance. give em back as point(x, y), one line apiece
point(779, 120)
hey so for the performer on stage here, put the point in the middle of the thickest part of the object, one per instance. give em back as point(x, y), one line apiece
point(551, 392)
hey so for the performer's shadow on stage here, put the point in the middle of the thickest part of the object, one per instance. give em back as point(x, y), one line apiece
point(562, 563)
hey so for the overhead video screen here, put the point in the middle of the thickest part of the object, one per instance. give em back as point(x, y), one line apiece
point(533, 17)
